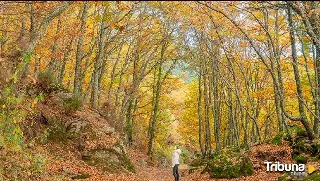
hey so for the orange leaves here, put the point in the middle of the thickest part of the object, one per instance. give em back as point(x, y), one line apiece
point(117, 27)
point(123, 6)
point(244, 44)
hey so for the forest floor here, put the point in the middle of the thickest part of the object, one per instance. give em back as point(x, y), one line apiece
point(151, 173)
point(146, 172)
point(64, 161)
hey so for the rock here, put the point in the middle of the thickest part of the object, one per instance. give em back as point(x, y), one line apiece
point(65, 95)
point(143, 162)
point(108, 130)
point(76, 126)
point(67, 171)
point(111, 160)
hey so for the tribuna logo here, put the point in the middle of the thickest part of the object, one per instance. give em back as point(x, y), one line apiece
point(279, 167)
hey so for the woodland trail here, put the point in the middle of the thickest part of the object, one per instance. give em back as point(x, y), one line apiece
point(154, 173)
point(149, 173)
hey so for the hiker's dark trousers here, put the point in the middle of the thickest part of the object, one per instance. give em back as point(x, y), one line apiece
point(176, 172)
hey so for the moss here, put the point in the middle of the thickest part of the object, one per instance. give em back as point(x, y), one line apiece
point(313, 177)
point(229, 164)
point(301, 159)
point(277, 140)
point(314, 159)
point(300, 147)
point(81, 176)
point(302, 133)
point(315, 148)
point(287, 137)
point(298, 131)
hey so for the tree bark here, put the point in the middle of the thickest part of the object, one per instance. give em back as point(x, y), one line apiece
point(79, 53)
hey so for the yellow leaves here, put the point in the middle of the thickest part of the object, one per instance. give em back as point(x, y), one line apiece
point(261, 37)
point(263, 94)
point(3, 106)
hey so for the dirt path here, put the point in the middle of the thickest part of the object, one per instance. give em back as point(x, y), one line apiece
point(153, 173)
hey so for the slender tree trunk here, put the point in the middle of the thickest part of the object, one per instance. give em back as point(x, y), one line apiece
point(200, 110)
point(207, 112)
point(64, 62)
point(156, 103)
point(316, 125)
point(53, 62)
point(79, 53)
point(98, 65)
point(216, 112)
point(302, 112)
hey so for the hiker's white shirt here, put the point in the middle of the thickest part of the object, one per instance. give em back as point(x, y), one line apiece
point(175, 157)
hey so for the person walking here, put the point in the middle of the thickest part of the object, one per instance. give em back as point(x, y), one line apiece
point(175, 163)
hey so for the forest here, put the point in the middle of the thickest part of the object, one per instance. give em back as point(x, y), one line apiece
point(106, 90)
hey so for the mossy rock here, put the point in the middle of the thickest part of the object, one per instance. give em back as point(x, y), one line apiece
point(313, 177)
point(57, 131)
point(229, 164)
point(110, 160)
point(301, 159)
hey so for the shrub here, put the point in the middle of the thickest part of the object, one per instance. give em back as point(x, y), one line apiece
point(18, 161)
point(47, 82)
point(196, 164)
point(73, 104)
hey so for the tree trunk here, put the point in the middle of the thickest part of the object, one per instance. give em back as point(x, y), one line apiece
point(200, 110)
point(156, 102)
point(302, 112)
point(97, 65)
point(79, 53)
